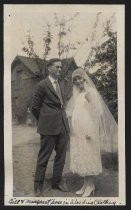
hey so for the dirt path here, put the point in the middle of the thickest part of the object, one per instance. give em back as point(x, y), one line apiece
point(25, 150)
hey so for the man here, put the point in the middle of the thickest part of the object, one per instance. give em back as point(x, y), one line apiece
point(48, 108)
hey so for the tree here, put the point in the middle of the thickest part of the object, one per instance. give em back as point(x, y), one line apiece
point(31, 53)
point(105, 78)
point(64, 45)
point(64, 29)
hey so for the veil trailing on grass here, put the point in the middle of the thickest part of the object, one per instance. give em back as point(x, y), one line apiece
point(108, 129)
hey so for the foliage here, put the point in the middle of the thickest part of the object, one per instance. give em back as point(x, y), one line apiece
point(64, 30)
point(21, 110)
point(47, 39)
point(31, 53)
point(105, 78)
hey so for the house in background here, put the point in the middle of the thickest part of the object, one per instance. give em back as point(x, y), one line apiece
point(24, 77)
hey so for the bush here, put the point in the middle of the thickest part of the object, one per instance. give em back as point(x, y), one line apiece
point(20, 111)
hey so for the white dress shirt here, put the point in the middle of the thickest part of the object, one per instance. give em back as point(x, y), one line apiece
point(56, 88)
point(52, 80)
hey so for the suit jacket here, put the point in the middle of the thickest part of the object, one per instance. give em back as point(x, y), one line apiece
point(48, 110)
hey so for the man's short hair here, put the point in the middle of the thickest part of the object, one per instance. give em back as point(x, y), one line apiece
point(51, 61)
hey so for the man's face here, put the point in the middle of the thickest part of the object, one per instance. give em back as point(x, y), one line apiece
point(55, 69)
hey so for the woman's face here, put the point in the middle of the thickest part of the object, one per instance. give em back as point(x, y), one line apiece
point(79, 82)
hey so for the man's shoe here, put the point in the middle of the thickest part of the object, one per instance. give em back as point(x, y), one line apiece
point(60, 187)
point(38, 193)
point(38, 189)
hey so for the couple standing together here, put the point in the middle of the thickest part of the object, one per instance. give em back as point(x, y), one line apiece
point(86, 120)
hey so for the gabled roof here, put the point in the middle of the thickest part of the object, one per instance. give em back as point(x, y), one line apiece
point(28, 62)
point(32, 66)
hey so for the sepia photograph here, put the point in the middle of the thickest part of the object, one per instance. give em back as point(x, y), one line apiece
point(64, 136)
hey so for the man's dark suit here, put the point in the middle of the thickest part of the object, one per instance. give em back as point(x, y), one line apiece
point(53, 128)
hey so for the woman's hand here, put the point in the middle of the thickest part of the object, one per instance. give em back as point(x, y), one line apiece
point(87, 97)
point(88, 137)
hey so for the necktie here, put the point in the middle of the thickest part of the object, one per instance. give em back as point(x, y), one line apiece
point(58, 91)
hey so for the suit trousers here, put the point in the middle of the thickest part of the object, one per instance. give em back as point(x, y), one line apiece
point(47, 144)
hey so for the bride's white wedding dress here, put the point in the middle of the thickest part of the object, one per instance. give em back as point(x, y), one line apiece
point(89, 115)
point(85, 157)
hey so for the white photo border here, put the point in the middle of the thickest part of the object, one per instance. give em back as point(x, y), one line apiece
point(9, 200)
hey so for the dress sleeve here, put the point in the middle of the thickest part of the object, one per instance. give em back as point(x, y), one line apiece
point(69, 108)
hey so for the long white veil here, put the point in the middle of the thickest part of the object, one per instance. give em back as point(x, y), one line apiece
point(108, 129)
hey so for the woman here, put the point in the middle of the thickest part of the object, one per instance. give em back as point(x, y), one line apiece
point(93, 130)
